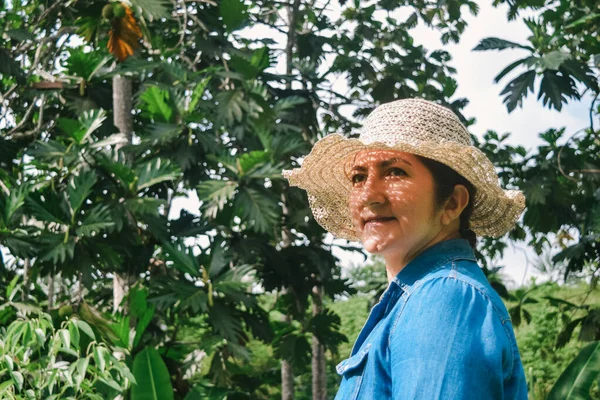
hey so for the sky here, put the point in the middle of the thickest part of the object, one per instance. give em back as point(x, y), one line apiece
point(475, 74)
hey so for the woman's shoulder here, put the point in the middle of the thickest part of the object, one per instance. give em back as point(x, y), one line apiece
point(460, 285)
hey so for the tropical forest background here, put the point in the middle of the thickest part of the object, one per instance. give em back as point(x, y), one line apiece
point(150, 248)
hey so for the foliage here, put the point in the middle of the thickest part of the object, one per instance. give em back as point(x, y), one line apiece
point(213, 118)
point(38, 361)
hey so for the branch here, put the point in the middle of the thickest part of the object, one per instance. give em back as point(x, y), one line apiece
point(592, 113)
point(291, 38)
point(560, 168)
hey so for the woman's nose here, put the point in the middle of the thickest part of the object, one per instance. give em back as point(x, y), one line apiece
point(372, 192)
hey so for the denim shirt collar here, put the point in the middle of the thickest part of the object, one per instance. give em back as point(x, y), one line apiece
point(433, 258)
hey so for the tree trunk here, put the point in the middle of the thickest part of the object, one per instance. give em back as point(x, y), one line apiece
point(123, 120)
point(319, 375)
point(287, 371)
point(287, 374)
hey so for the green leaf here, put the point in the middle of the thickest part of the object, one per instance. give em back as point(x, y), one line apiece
point(181, 258)
point(155, 171)
point(581, 72)
point(88, 27)
point(225, 322)
point(230, 106)
point(12, 203)
point(233, 13)
point(517, 90)
point(90, 121)
point(79, 189)
point(139, 308)
point(153, 8)
point(17, 378)
point(555, 89)
point(85, 328)
point(512, 66)
point(125, 175)
point(215, 194)
point(9, 67)
point(155, 103)
point(493, 43)
point(85, 65)
point(49, 150)
point(583, 20)
point(554, 59)
point(197, 94)
point(145, 205)
point(258, 209)
point(161, 132)
point(253, 159)
point(152, 377)
point(288, 103)
point(219, 258)
point(577, 379)
point(96, 220)
point(5, 386)
point(47, 207)
point(21, 35)
point(100, 355)
point(261, 58)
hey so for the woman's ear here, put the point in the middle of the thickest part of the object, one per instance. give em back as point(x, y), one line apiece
point(454, 206)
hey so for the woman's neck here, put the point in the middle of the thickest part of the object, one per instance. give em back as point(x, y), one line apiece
point(396, 261)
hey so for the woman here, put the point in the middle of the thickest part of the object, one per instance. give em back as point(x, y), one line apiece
point(414, 190)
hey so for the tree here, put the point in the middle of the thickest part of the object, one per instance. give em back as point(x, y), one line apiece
point(113, 110)
point(560, 181)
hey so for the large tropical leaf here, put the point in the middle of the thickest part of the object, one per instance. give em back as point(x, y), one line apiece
point(156, 171)
point(155, 102)
point(231, 106)
point(85, 65)
point(96, 220)
point(80, 187)
point(47, 208)
point(556, 89)
point(517, 90)
point(57, 250)
point(576, 381)
point(233, 13)
point(509, 68)
point(252, 160)
point(152, 377)
point(10, 204)
point(90, 121)
point(144, 206)
point(258, 209)
point(581, 72)
point(181, 258)
point(493, 43)
point(554, 59)
point(197, 94)
point(160, 132)
point(226, 321)
point(215, 194)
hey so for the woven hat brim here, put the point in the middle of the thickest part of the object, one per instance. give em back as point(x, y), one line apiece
point(324, 176)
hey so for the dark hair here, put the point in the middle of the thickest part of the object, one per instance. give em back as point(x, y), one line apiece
point(445, 178)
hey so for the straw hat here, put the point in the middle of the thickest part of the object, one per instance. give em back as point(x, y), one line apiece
point(413, 126)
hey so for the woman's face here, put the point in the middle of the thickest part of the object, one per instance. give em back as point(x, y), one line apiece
point(392, 202)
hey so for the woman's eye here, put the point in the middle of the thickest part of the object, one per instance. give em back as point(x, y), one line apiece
point(396, 171)
point(356, 178)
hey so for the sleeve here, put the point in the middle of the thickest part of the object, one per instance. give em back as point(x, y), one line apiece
point(449, 343)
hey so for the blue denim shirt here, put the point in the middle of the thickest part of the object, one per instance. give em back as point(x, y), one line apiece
point(439, 331)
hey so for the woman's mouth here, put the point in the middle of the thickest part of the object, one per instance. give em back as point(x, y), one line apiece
point(379, 221)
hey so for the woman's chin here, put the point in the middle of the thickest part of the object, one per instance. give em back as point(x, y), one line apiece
point(375, 245)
